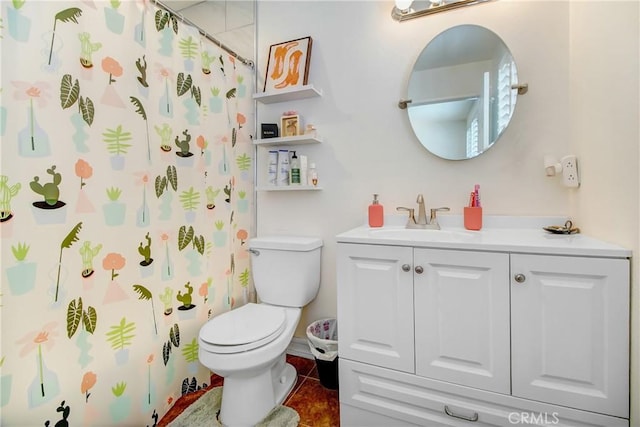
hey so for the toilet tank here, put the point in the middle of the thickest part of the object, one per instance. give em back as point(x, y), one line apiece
point(286, 269)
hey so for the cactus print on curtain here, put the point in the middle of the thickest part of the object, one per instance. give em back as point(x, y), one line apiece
point(126, 196)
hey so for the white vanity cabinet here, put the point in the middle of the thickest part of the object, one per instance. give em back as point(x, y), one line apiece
point(458, 302)
point(462, 317)
point(456, 335)
point(569, 331)
point(375, 310)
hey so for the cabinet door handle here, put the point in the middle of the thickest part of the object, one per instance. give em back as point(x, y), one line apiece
point(472, 418)
point(419, 269)
point(520, 278)
point(406, 267)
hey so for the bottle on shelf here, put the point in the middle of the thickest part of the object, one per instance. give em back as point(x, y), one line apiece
point(304, 170)
point(295, 169)
point(273, 167)
point(313, 175)
point(283, 167)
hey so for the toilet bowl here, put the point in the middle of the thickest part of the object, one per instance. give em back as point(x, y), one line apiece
point(256, 375)
point(247, 346)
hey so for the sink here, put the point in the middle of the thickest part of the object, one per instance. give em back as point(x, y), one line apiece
point(417, 234)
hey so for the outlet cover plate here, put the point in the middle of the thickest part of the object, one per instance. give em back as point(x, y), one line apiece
point(570, 177)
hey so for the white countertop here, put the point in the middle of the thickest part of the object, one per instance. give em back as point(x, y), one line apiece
point(499, 234)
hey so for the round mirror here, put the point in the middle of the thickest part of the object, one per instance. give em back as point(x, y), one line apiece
point(462, 92)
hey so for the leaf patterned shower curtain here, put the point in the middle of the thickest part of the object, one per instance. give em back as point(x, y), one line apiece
point(126, 195)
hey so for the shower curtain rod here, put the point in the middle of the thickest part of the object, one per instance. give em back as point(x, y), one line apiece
point(245, 61)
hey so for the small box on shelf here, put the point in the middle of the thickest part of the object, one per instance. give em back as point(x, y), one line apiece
point(269, 130)
point(290, 125)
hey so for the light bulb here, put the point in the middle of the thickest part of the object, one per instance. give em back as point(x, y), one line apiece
point(403, 5)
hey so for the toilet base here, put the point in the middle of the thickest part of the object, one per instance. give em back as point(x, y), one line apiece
point(246, 400)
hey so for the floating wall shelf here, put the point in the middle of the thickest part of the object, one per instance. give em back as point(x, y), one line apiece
point(291, 94)
point(288, 140)
point(288, 188)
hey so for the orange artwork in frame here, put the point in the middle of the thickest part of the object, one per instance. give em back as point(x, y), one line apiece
point(288, 64)
point(290, 125)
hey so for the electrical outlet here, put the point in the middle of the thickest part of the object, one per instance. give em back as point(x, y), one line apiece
point(570, 177)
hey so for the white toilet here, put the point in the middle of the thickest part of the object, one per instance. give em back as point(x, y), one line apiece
point(247, 345)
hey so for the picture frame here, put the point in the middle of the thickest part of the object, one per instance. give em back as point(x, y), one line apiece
point(288, 64)
point(290, 125)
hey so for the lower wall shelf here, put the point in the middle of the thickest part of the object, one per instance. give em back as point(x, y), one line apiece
point(288, 188)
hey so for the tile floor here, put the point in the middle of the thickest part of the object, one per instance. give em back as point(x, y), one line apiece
point(316, 405)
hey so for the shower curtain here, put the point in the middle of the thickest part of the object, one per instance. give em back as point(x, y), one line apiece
point(126, 198)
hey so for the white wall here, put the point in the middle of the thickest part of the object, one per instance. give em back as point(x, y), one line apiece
point(580, 59)
point(230, 22)
point(362, 59)
point(605, 134)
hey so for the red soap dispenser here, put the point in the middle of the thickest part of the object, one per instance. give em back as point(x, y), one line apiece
point(376, 213)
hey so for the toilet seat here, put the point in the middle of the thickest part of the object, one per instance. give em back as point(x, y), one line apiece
point(243, 329)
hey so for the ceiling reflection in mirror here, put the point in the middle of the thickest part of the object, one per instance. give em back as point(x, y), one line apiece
point(462, 92)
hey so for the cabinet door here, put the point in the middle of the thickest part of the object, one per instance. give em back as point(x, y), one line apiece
point(570, 331)
point(462, 318)
point(375, 305)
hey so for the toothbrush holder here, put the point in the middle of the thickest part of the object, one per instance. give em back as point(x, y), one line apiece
point(472, 218)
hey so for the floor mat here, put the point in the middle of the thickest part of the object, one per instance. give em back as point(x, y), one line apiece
point(203, 413)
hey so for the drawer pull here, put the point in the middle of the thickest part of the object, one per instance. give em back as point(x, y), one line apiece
point(471, 418)
point(419, 269)
point(520, 278)
point(406, 267)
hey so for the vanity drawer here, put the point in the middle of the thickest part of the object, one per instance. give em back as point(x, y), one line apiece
point(421, 401)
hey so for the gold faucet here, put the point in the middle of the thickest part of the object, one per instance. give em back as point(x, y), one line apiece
point(433, 219)
point(422, 215)
point(421, 222)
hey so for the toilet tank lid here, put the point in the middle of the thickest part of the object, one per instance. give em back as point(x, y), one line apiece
point(286, 243)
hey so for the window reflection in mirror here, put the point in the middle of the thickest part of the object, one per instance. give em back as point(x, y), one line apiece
point(461, 91)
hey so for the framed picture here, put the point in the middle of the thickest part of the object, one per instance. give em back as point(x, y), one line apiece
point(288, 64)
point(290, 125)
point(269, 130)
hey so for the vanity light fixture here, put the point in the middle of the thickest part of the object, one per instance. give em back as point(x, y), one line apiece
point(409, 9)
point(403, 6)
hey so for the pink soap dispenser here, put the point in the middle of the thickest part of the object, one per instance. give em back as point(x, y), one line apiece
point(376, 213)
